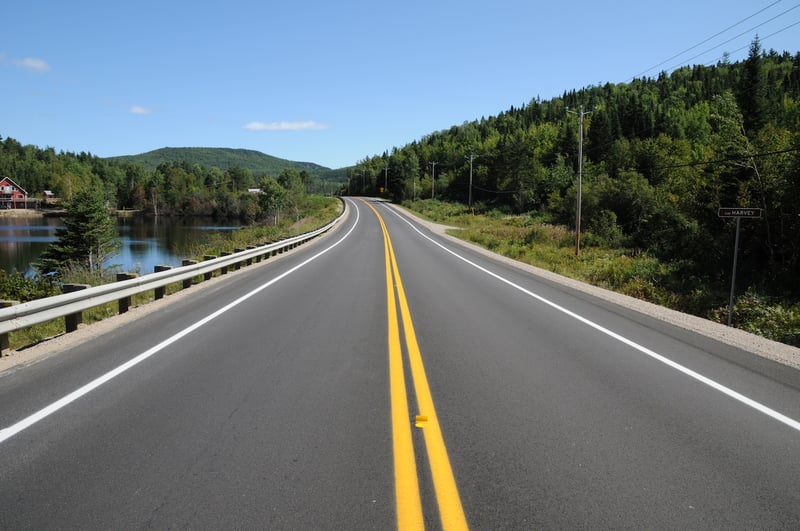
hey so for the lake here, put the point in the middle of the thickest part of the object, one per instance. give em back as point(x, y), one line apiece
point(145, 241)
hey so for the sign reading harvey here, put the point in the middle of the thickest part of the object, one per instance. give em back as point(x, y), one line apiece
point(739, 212)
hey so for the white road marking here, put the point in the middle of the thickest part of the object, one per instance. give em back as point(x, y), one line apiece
point(794, 424)
point(45, 412)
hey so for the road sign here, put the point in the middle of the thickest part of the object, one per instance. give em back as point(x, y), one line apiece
point(739, 212)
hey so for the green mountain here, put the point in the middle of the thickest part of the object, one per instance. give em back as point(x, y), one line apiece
point(224, 159)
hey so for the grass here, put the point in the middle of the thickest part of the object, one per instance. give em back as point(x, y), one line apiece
point(532, 240)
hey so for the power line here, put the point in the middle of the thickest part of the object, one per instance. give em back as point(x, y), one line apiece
point(726, 159)
point(739, 35)
point(499, 192)
point(761, 39)
point(705, 41)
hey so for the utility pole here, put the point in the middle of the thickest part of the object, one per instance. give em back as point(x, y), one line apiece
point(580, 114)
point(471, 158)
point(386, 178)
point(433, 178)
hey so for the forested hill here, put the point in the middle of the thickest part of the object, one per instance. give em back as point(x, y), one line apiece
point(660, 157)
point(222, 158)
point(198, 182)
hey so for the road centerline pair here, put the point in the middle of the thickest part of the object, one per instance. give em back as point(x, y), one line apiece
point(409, 507)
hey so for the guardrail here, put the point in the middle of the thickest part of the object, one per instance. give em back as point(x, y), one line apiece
point(70, 305)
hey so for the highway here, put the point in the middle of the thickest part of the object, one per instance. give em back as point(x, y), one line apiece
point(384, 377)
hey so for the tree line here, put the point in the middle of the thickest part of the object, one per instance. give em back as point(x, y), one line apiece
point(661, 156)
point(88, 187)
point(172, 188)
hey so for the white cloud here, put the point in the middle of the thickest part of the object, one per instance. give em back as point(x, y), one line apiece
point(137, 109)
point(284, 126)
point(31, 63)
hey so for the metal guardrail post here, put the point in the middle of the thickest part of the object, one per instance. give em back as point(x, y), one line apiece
point(188, 282)
point(4, 345)
point(159, 292)
point(224, 269)
point(208, 274)
point(72, 321)
point(125, 302)
point(238, 265)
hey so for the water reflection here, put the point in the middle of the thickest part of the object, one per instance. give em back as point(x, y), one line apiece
point(145, 242)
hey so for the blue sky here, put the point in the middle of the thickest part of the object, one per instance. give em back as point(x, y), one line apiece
point(334, 82)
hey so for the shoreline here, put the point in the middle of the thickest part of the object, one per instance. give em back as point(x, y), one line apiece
point(57, 212)
point(22, 213)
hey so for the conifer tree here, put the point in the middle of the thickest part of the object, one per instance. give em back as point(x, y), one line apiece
point(88, 238)
point(753, 92)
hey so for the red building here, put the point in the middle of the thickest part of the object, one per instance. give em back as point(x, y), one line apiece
point(12, 195)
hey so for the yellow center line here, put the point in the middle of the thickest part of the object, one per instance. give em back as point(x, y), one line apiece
point(408, 505)
point(450, 509)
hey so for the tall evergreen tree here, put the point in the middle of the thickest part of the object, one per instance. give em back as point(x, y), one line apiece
point(88, 238)
point(753, 91)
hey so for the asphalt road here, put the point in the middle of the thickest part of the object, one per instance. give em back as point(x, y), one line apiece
point(306, 394)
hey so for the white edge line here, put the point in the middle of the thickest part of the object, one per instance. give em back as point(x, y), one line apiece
point(45, 412)
point(780, 417)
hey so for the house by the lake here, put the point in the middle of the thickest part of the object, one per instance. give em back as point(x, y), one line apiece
point(12, 195)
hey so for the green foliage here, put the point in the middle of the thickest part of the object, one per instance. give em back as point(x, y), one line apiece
point(172, 181)
point(272, 198)
point(764, 316)
point(16, 286)
point(661, 157)
point(88, 238)
point(223, 158)
point(604, 230)
point(436, 210)
point(673, 284)
point(317, 211)
point(753, 92)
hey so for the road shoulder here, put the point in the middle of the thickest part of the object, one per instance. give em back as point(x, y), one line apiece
point(739, 339)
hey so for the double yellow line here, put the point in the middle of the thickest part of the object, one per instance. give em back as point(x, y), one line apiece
point(409, 505)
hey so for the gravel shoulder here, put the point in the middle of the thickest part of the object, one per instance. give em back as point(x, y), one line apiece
point(759, 346)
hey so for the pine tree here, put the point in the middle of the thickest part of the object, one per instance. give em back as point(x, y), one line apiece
point(88, 238)
point(753, 92)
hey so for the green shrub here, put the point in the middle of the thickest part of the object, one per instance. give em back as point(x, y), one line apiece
point(764, 316)
point(16, 286)
point(605, 262)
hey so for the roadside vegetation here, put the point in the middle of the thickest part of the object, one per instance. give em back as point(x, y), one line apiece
point(73, 259)
point(536, 240)
point(88, 189)
point(661, 156)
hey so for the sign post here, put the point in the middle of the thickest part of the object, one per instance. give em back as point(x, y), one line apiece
point(737, 213)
